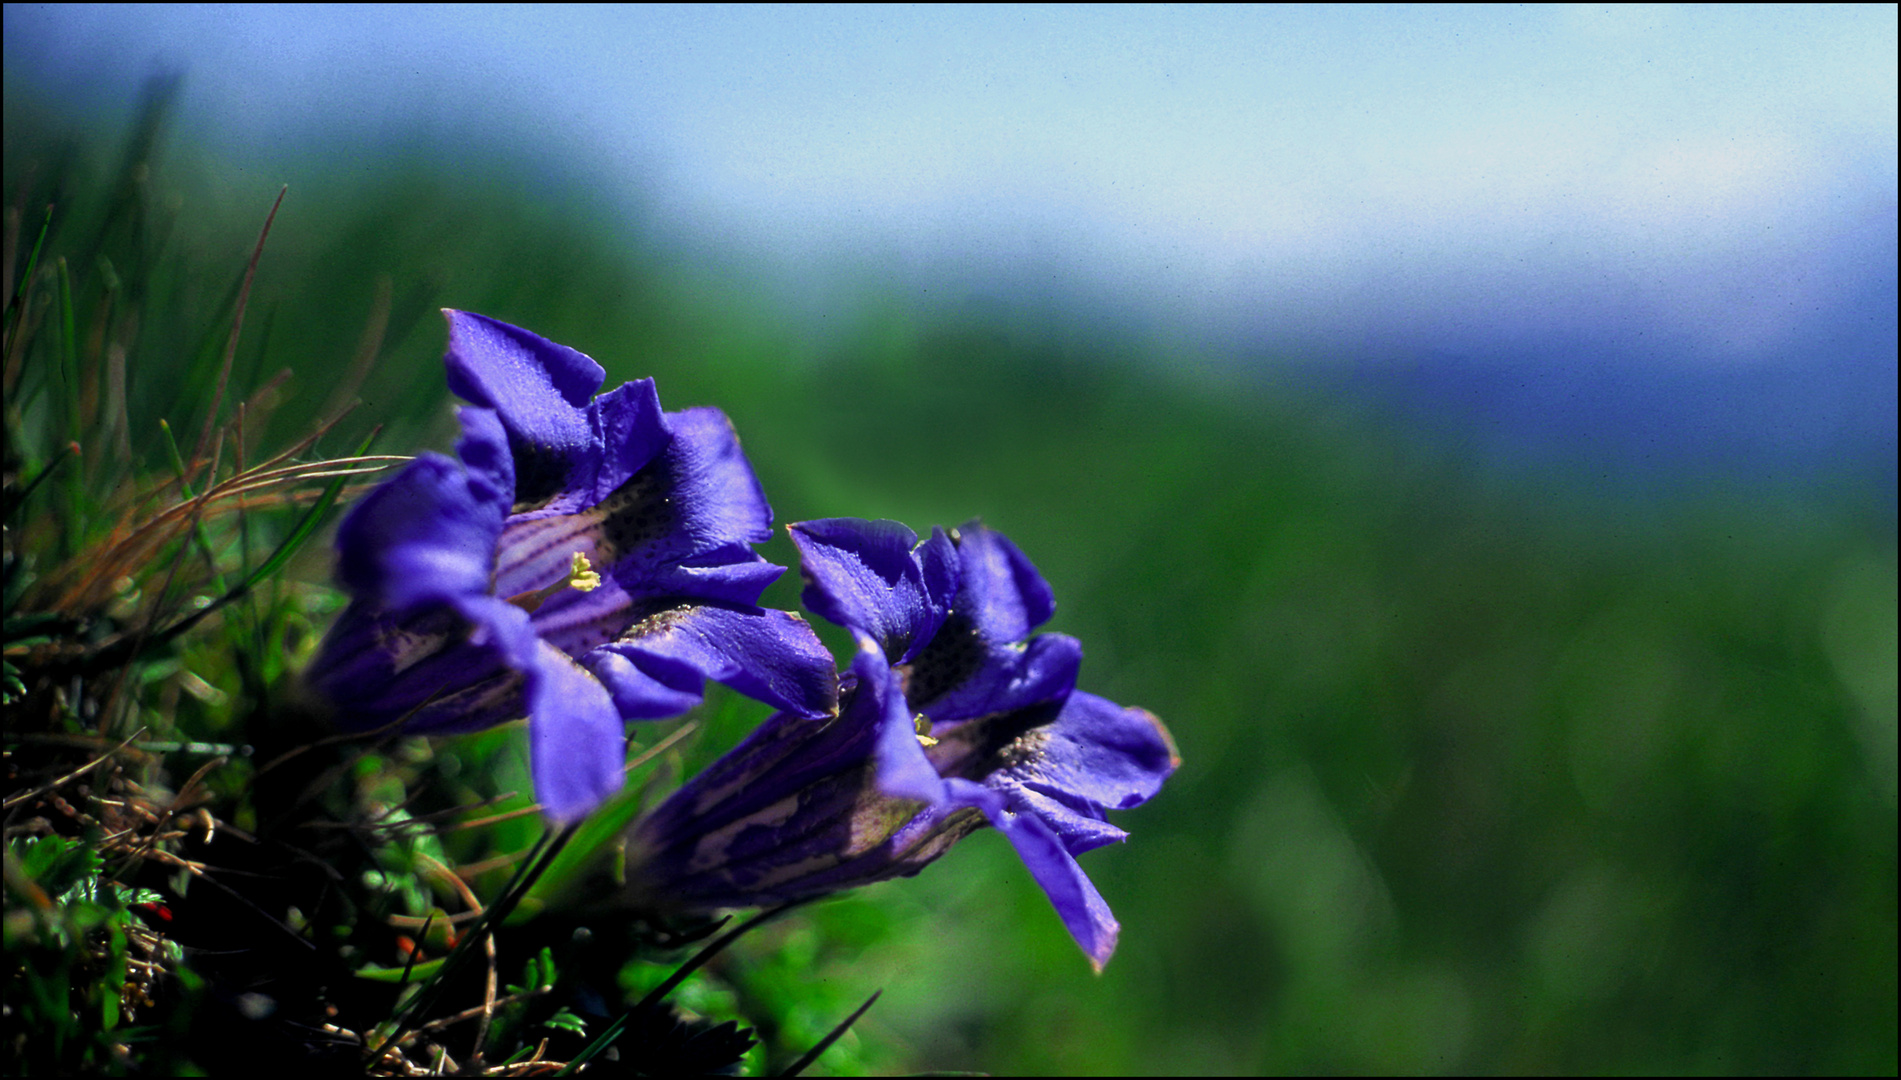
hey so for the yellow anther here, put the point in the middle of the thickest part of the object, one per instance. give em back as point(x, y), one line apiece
point(581, 577)
point(923, 726)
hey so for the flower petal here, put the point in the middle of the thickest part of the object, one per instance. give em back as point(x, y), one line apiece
point(874, 576)
point(792, 811)
point(1098, 755)
point(576, 621)
point(1079, 830)
point(483, 449)
point(696, 504)
point(647, 687)
point(720, 500)
point(999, 589)
point(1084, 912)
point(377, 668)
point(541, 391)
point(958, 679)
point(422, 537)
point(452, 667)
point(576, 743)
point(903, 769)
point(631, 432)
point(735, 574)
point(659, 533)
point(768, 655)
point(774, 763)
point(772, 656)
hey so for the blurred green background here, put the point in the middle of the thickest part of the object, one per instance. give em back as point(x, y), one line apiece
point(1485, 768)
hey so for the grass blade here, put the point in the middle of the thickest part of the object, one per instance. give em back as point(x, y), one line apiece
point(837, 1033)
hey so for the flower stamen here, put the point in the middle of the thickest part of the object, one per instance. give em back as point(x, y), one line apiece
point(581, 577)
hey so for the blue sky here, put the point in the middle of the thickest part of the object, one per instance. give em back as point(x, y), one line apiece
point(1711, 189)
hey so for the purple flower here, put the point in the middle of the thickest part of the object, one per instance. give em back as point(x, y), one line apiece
point(587, 562)
point(972, 725)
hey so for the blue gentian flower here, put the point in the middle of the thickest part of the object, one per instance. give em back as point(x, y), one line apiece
point(588, 561)
point(952, 717)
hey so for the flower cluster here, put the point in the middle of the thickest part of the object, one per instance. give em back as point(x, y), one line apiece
point(588, 562)
point(972, 725)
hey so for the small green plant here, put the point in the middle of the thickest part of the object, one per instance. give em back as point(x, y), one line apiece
point(85, 964)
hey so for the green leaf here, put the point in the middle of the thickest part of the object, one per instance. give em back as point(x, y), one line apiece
point(563, 1020)
point(16, 304)
point(128, 896)
point(415, 974)
point(18, 625)
point(595, 843)
point(57, 864)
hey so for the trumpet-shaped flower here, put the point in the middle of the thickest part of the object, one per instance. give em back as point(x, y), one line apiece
point(588, 561)
point(953, 717)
